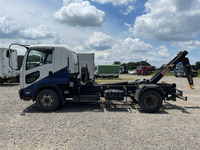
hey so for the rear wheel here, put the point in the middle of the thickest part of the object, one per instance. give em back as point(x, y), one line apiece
point(47, 100)
point(150, 101)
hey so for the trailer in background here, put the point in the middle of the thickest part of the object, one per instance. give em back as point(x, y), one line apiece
point(7, 74)
point(107, 71)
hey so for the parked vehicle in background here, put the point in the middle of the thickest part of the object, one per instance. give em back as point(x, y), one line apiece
point(144, 70)
point(7, 74)
point(179, 71)
point(107, 71)
point(132, 71)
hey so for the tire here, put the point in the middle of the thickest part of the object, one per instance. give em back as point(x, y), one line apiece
point(47, 100)
point(150, 101)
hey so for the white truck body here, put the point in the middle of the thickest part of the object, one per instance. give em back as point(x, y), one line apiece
point(87, 58)
point(6, 72)
point(45, 65)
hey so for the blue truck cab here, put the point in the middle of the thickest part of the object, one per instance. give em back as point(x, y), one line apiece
point(46, 67)
point(179, 71)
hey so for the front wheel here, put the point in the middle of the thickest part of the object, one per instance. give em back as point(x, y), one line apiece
point(150, 101)
point(47, 100)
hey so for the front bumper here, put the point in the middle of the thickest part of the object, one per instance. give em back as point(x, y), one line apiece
point(23, 96)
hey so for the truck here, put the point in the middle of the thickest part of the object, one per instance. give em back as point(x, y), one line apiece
point(144, 70)
point(107, 71)
point(179, 71)
point(49, 76)
point(7, 74)
point(88, 59)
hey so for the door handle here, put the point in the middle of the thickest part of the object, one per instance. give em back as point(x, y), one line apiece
point(50, 73)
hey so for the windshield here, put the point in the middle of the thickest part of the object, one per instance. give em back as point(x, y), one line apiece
point(140, 68)
point(38, 57)
point(179, 66)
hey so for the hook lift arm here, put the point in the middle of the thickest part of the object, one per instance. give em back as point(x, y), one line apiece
point(172, 64)
point(188, 72)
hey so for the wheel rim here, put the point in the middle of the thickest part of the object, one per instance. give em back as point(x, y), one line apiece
point(151, 101)
point(47, 100)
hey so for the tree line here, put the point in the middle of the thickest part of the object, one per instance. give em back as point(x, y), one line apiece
point(196, 66)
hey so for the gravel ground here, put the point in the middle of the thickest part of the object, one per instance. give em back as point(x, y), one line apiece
point(81, 126)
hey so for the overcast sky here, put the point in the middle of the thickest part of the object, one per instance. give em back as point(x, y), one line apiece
point(115, 30)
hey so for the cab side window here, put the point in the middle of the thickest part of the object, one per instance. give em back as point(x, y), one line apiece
point(38, 58)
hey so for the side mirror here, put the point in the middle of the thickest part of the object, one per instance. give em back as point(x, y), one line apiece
point(8, 53)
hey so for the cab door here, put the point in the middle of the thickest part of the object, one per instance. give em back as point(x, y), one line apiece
point(38, 65)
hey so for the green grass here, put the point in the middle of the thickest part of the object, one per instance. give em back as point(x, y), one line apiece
point(198, 72)
point(171, 73)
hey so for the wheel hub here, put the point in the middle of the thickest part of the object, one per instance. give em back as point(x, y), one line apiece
point(151, 101)
point(47, 100)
